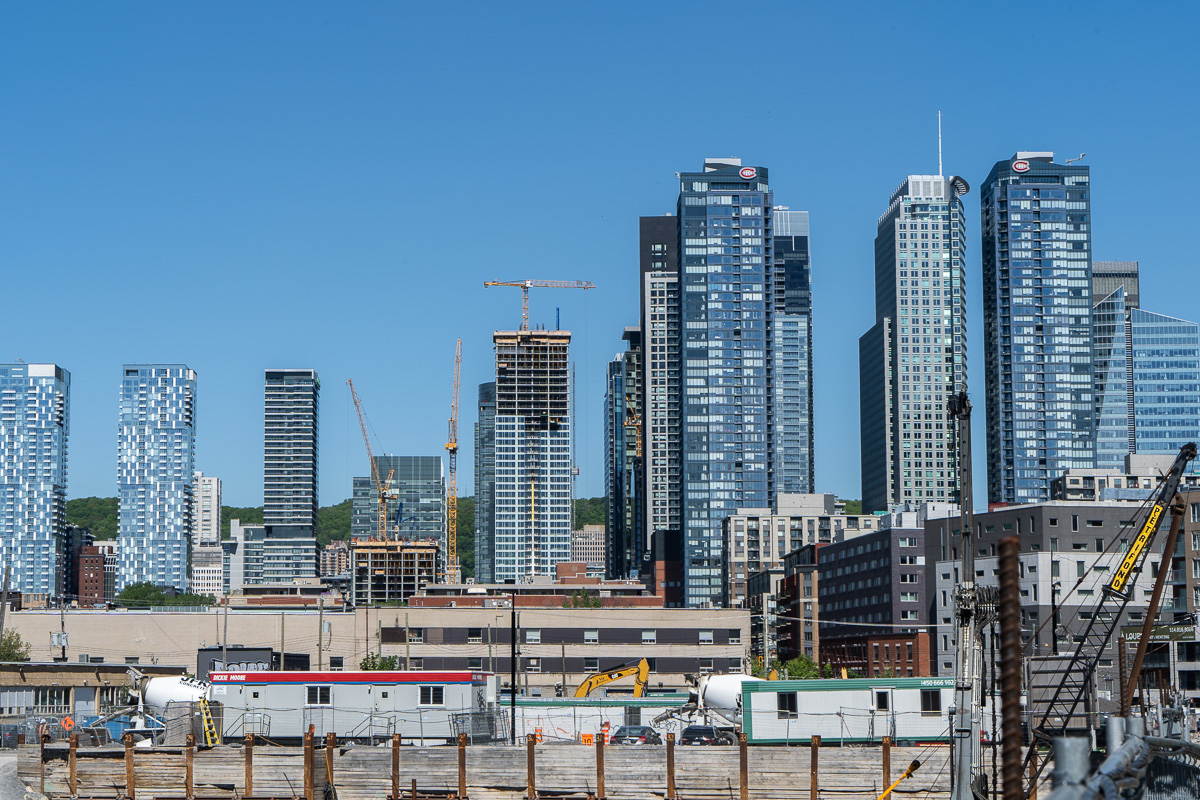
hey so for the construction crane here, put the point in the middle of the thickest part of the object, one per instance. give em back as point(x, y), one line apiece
point(452, 570)
point(380, 486)
point(526, 285)
point(1077, 677)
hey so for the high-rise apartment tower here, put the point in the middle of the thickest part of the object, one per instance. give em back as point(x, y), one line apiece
point(1037, 324)
point(156, 442)
point(290, 438)
point(532, 511)
point(915, 356)
point(727, 257)
point(34, 423)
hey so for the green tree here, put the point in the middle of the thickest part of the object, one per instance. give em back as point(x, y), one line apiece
point(13, 647)
point(374, 662)
point(853, 506)
point(466, 536)
point(582, 599)
point(147, 594)
point(802, 667)
point(97, 514)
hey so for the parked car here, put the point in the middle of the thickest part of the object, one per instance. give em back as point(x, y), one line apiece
point(636, 734)
point(702, 734)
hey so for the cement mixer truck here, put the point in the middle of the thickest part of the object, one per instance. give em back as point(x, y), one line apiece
point(712, 700)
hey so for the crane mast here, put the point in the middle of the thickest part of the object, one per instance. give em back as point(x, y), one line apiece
point(380, 486)
point(975, 607)
point(453, 574)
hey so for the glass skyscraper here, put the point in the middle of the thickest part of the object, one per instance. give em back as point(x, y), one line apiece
point(791, 373)
point(290, 439)
point(726, 254)
point(915, 356)
point(34, 423)
point(624, 537)
point(416, 506)
point(156, 442)
point(485, 483)
point(1147, 369)
point(1037, 324)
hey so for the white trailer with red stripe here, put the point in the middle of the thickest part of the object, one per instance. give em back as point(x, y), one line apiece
point(423, 707)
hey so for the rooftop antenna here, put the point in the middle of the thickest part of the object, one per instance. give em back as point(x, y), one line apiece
point(939, 144)
point(1081, 155)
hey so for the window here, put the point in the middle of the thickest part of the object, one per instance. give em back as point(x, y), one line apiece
point(1054, 569)
point(474, 635)
point(908, 597)
point(132, 659)
point(318, 695)
point(931, 701)
point(706, 665)
point(908, 541)
point(475, 663)
point(911, 614)
point(1053, 539)
point(533, 665)
point(416, 635)
point(1080, 568)
point(591, 637)
point(433, 695)
point(337, 663)
point(706, 637)
point(652, 663)
point(786, 706)
point(591, 664)
point(735, 635)
point(649, 637)
point(416, 663)
point(533, 636)
point(881, 701)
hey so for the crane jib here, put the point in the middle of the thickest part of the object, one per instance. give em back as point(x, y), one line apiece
point(1148, 530)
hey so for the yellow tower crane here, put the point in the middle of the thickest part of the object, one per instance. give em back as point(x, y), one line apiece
point(453, 573)
point(526, 285)
point(381, 486)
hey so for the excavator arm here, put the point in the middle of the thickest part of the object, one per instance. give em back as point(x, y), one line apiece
point(639, 669)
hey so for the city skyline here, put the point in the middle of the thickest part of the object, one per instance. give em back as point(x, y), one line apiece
point(288, 202)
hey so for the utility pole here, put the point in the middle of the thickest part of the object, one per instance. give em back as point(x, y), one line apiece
point(407, 644)
point(225, 638)
point(4, 597)
point(62, 627)
point(320, 630)
point(512, 669)
point(282, 641)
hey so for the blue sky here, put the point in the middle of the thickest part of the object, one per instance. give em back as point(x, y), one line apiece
point(242, 186)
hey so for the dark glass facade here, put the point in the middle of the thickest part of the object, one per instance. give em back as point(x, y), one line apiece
point(1037, 320)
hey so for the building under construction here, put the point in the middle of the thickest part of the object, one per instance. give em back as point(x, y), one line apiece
point(532, 515)
point(387, 570)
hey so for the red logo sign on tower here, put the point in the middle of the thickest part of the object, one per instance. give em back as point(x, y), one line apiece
point(748, 172)
point(1020, 165)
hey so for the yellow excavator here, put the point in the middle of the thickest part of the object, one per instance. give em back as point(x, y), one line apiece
point(640, 669)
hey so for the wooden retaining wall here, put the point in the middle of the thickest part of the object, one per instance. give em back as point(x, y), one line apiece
point(482, 772)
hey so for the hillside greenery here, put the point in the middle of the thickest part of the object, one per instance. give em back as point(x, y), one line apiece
point(590, 511)
point(97, 514)
point(853, 506)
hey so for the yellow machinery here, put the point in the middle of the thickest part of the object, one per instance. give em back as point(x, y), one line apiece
point(526, 285)
point(453, 574)
point(211, 739)
point(381, 486)
point(639, 669)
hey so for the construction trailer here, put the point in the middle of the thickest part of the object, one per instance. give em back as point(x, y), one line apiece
point(854, 711)
point(422, 707)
